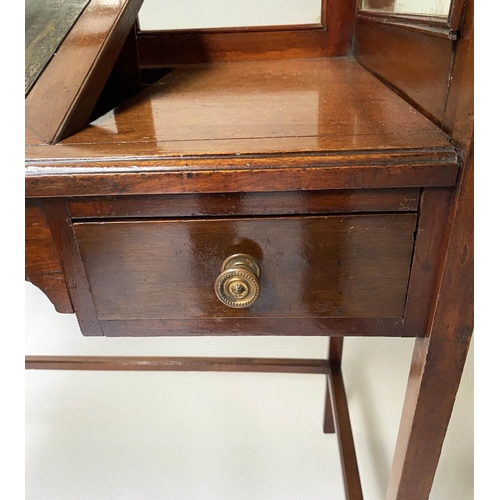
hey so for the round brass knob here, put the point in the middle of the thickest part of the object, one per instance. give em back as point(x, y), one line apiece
point(238, 283)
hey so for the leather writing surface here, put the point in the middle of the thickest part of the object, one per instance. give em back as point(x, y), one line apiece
point(47, 22)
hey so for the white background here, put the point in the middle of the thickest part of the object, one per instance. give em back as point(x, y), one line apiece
point(183, 14)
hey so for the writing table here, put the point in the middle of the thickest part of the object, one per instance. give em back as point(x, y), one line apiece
point(258, 196)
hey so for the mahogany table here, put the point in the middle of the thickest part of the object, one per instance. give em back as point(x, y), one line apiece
point(262, 182)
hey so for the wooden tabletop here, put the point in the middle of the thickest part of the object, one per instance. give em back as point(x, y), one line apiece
point(259, 107)
point(314, 112)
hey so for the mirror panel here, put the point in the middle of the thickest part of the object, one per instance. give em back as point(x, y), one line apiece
point(198, 14)
point(425, 7)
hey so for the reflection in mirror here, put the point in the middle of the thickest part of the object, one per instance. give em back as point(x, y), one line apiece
point(426, 7)
point(196, 14)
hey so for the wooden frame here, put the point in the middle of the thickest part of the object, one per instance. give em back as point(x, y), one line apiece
point(336, 417)
point(393, 52)
point(177, 364)
point(159, 48)
point(441, 26)
point(330, 38)
point(390, 46)
point(55, 111)
point(440, 351)
point(439, 356)
point(425, 24)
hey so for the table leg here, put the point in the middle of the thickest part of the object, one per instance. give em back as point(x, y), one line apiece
point(438, 359)
point(434, 378)
point(334, 358)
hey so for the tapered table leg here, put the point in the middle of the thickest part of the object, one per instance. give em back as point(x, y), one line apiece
point(334, 358)
point(439, 358)
point(328, 422)
point(434, 378)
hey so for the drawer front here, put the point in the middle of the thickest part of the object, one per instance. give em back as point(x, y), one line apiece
point(354, 266)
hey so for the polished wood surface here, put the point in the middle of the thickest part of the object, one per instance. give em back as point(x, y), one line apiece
point(328, 418)
point(323, 99)
point(335, 348)
point(43, 267)
point(160, 49)
point(433, 214)
point(331, 37)
point(143, 204)
point(459, 114)
point(30, 138)
point(325, 327)
point(432, 25)
point(415, 64)
point(230, 204)
point(456, 14)
point(253, 126)
point(439, 358)
point(74, 272)
point(183, 364)
point(66, 92)
point(124, 80)
point(82, 178)
point(338, 266)
point(352, 482)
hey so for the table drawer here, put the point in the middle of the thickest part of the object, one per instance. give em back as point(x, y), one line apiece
point(354, 266)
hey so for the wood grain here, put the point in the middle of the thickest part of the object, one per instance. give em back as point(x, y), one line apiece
point(240, 180)
point(31, 139)
point(166, 48)
point(189, 364)
point(42, 265)
point(352, 482)
point(222, 139)
point(339, 24)
point(262, 99)
point(456, 14)
point(438, 360)
point(66, 247)
point(231, 204)
point(330, 38)
point(415, 64)
point(328, 418)
point(335, 347)
point(253, 126)
point(401, 147)
point(421, 23)
point(320, 267)
point(439, 357)
point(124, 80)
point(459, 114)
point(433, 214)
point(353, 327)
point(65, 94)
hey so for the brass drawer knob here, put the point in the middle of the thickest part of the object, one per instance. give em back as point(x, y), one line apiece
point(238, 283)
